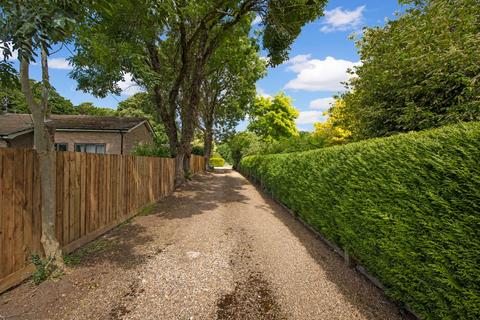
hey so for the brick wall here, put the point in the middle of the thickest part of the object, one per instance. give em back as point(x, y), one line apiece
point(112, 140)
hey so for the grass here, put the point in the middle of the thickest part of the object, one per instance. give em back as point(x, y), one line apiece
point(147, 210)
point(97, 246)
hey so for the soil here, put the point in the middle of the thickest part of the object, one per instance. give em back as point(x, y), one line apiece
point(216, 249)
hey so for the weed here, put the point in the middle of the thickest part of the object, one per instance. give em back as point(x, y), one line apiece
point(147, 210)
point(44, 269)
point(75, 258)
point(124, 223)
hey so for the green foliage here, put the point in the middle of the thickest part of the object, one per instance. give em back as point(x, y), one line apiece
point(8, 75)
point(273, 119)
point(283, 22)
point(29, 25)
point(407, 207)
point(151, 150)
point(418, 72)
point(17, 103)
point(216, 162)
point(97, 246)
point(141, 105)
point(87, 108)
point(243, 144)
point(225, 152)
point(302, 142)
point(58, 104)
point(148, 210)
point(331, 131)
point(167, 48)
point(198, 150)
point(43, 269)
point(229, 88)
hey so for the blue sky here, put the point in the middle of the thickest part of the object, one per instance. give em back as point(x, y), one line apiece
point(318, 61)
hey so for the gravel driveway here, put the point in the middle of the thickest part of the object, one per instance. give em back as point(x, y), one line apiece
point(216, 249)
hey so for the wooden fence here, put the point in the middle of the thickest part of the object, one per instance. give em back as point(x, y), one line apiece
point(94, 194)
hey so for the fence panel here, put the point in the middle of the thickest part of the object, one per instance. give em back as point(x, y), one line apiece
point(94, 193)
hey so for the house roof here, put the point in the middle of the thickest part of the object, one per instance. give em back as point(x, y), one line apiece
point(15, 124)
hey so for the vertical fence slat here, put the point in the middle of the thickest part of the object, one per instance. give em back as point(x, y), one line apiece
point(37, 207)
point(66, 197)
point(2, 224)
point(59, 200)
point(28, 217)
point(7, 181)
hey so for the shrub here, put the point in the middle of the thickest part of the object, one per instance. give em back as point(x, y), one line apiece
point(151, 150)
point(197, 150)
point(243, 144)
point(225, 152)
point(217, 162)
point(407, 207)
point(303, 142)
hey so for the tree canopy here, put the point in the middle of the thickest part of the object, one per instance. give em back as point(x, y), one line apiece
point(167, 46)
point(273, 119)
point(419, 71)
point(331, 131)
point(142, 105)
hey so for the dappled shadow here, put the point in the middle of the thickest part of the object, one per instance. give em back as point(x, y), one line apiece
point(359, 291)
point(205, 192)
point(118, 247)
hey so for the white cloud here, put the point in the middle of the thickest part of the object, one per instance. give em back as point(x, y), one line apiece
point(128, 86)
point(319, 75)
point(342, 20)
point(299, 63)
point(322, 104)
point(310, 117)
point(262, 93)
point(59, 63)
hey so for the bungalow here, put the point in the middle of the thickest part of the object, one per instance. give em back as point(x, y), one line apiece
point(80, 133)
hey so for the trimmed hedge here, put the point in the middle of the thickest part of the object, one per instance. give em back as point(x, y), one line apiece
point(407, 207)
point(217, 162)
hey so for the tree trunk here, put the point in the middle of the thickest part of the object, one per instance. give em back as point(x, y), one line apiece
point(44, 146)
point(186, 162)
point(168, 121)
point(185, 146)
point(207, 145)
point(179, 167)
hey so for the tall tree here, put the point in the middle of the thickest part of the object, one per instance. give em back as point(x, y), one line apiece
point(419, 71)
point(229, 87)
point(32, 27)
point(332, 131)
point(273, 119)
point(167, 45)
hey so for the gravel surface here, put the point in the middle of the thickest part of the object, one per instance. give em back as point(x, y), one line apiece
point(216, 249)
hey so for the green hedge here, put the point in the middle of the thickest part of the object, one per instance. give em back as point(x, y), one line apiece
point(217, 162)
point(407, 207)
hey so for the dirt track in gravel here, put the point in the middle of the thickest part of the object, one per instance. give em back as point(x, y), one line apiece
point(216, 249)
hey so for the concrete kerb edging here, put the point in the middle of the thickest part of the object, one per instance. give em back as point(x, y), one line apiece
point(405, 309)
